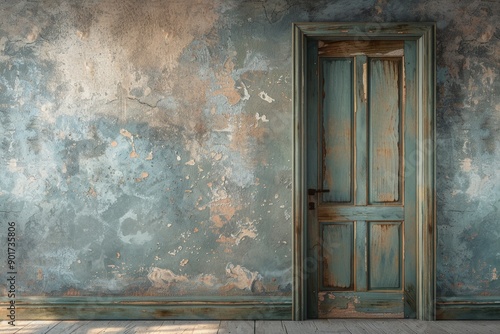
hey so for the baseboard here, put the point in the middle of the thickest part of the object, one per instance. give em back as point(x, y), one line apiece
point(455, 308)
point(110, 308)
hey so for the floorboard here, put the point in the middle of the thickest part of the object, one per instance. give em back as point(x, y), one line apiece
point(457, 326)
point(191, 327)
point(423, 327)
point(335, 326)
point(236, 327)
point(361, 326)
point(6, 328)
point(152, 326)
point(66, 327)
point(36, 327)
point(207, 327)
point(269, 327)
point(300, 327)
point(120, 327)
point(94, 327)
point(331, 326)
point(392, 327)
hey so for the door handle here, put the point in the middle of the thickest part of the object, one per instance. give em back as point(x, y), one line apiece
point(312, 192)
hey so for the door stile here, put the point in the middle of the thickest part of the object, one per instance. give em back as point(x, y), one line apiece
point(312, 111)
point(410, 171)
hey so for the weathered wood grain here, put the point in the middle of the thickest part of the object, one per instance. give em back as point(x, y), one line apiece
point(361, 256)
point(333, 326)
point(312, 154)
point(362, 326)
point(391, 327)
point(360, 305)
point(385, 136)
point(94, 327)
point(337, 255)
point(64, 327)
point(355, 48)
point(345, 213)
point(361, 130)
point(269, 327)
point(119, 308)
point(34, 327)
point(151, 326)
point(299, 327)
point(384, 266)
point(337, 117)
point(236, 327)
point(410, 228)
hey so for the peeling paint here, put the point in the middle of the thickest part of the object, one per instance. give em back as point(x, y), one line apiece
point(164, 278)
point(466, 165)
point(240, 277)
point(262, 118)
point(266, 97)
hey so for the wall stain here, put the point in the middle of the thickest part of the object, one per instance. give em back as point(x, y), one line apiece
point(137, 129)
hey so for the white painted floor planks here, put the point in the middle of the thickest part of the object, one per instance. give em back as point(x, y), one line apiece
point(334, 326)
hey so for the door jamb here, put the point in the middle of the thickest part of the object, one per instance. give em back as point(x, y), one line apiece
point(425, 36)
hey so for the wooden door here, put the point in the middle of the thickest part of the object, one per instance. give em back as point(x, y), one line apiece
point(361, 181)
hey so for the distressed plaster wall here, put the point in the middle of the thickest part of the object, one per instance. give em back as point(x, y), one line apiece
point(147, 145)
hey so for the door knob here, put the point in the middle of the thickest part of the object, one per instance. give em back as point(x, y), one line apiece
point(312, 192)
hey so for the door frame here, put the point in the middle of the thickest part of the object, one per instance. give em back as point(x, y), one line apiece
point(425, 36)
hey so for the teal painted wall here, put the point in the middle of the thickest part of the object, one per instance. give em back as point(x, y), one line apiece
point(146, 146)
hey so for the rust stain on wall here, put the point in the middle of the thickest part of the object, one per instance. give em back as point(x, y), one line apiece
point(227, 83)
point(221, 212)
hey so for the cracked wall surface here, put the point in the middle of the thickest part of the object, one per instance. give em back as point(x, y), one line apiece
point(147, 145)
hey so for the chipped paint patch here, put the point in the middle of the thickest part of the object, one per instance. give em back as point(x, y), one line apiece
point(207, 280)
point(262, 118)
point(39, 274)
point(240, 278)
point(247, 230)
point(222, 211)
point(466, 165)
point(127, 134)
point(142, 177)
point(263, 95)
point(164, 278)
point(13, 167)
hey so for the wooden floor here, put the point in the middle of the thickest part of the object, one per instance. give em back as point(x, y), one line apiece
point(253, 327)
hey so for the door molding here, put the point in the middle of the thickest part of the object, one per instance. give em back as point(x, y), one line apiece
point(425, 202)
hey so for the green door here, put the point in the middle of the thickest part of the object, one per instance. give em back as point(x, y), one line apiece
point(361, 130)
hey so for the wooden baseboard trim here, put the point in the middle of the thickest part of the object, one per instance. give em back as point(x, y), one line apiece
point(468, 308)
point(155, 309)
